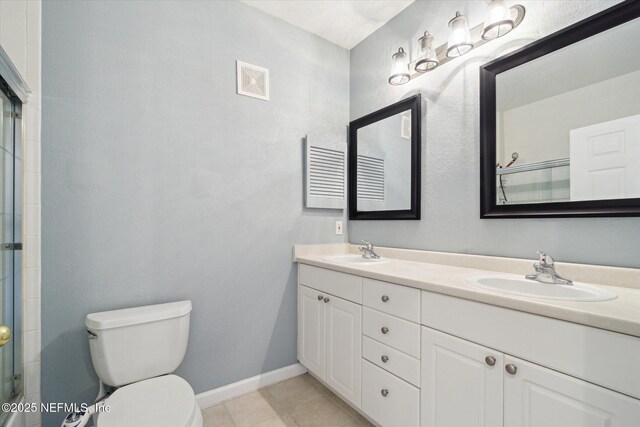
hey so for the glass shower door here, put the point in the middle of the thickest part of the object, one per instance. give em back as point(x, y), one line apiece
point(10, 246)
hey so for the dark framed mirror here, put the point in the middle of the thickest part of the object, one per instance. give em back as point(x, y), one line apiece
point(560, 122)
point(384, 163)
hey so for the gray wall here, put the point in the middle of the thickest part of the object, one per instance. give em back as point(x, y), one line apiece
point(161, 184)
point(450, 162)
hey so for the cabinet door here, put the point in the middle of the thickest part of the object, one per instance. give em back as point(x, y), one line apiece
point(540, 397)
point(311, 330)
point(344, 348)
point(461, 382)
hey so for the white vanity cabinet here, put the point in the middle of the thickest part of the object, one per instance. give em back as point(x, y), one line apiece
point(311, 330)
point(344, 348)
point(461, 382)
point(391, 342)
point(381, 379)
point(539, 397)
point(407, 357)
point(330, 330)
point(464, 383)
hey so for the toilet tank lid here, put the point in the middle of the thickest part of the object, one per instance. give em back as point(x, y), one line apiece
point(136, 315)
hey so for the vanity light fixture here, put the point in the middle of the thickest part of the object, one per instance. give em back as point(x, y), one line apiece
point(501, 19)
point(459, 37)
point(427, 59)
point(399, 68)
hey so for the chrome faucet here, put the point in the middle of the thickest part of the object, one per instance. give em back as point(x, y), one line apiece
point(367, 251)
point(546, 272)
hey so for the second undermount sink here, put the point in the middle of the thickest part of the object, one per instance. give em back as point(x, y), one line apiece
point(355, 259)
point(519, 286)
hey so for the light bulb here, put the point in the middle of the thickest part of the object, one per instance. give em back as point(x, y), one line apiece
point(459, 37)
point(499, 21)
point(399, 68)
point(427, 59)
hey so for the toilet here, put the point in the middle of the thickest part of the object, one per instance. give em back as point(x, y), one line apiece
point(136, 350)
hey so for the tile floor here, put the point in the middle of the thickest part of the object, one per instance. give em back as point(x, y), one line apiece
point(298, 402)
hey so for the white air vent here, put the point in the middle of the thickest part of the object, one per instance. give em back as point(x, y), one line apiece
point(252, 80)
point(325, 175)
point(370, 178)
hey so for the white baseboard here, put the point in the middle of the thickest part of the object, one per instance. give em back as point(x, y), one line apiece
point(229, 391)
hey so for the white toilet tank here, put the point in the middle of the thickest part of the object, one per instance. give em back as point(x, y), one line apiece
point(138, 343)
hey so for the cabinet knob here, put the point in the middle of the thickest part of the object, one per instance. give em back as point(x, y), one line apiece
point(384, 392)
point(326, 299)
point(385, 298)
point(490, 360)
point(511, 369)
point(319, 297)
point(384, 358)
point(384, 330)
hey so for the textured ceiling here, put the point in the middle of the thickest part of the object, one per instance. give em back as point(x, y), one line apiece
point(343, 22)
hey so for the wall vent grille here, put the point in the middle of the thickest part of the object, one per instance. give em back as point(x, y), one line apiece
point(325, 170)
point(370, 178)
point(252, 80)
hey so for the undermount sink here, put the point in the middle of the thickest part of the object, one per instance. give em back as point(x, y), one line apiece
point(519, 286)
point(354, 259)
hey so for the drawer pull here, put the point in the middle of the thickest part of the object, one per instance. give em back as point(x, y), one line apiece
point(384, 392)
point(384, 330)
point(384, 358)
point(385, 298)
point(326, 299)
point(490, 360)
point(511, 369)
point(319, 297)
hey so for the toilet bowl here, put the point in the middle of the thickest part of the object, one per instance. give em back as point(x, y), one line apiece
point(166, 401)
point(135, 351)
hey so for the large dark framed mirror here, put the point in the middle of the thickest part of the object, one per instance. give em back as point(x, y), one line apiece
point(384, 163)
point(560, 122)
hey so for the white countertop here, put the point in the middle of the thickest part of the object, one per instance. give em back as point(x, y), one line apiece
point(619, 315)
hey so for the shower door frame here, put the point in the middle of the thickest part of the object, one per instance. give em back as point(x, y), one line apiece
point(11, 246)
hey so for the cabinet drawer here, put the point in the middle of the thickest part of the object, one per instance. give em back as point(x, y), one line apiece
point(392, 360)
point(400, 406)
point(397, 300)
point(392, 331)
point(335, 283)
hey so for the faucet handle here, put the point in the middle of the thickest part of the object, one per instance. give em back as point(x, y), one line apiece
point(367, 245)
point(545, 259)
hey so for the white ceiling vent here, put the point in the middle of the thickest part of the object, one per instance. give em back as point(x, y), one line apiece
point(252, 80)
point(325, 175)
point(370, 178)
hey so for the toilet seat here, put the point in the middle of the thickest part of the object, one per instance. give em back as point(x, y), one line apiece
point(166, 401)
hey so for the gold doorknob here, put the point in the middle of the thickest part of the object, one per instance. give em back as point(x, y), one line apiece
point(5, 334)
